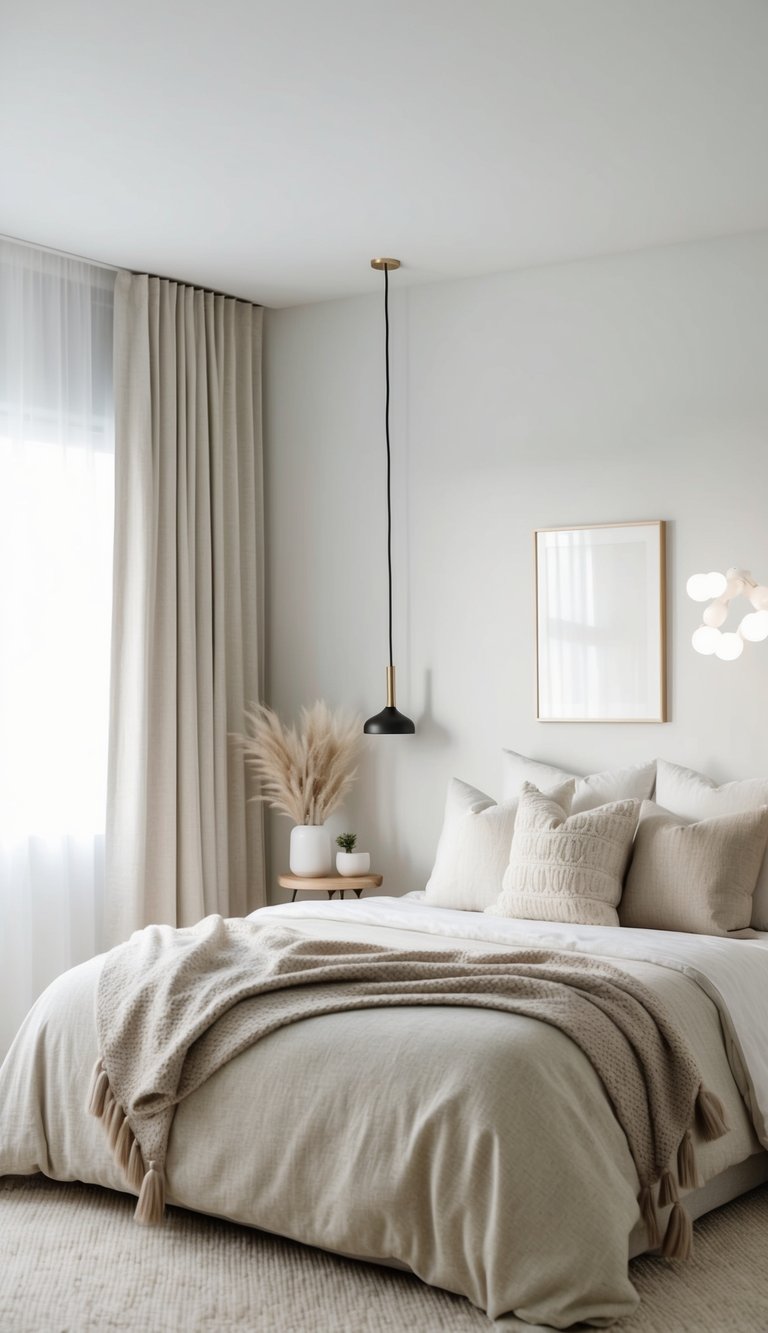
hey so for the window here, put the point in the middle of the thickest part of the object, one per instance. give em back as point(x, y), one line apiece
point(56, 524)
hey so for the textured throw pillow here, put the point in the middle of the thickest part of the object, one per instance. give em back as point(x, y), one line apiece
point(684, 792)
point(474, 845)
point(694, 877)
point(567, 868)
point(614, 784)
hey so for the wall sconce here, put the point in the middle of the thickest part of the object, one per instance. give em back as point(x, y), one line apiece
point(720, 590)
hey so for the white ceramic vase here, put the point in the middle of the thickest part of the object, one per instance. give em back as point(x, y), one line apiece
point(310, 853)
point(353, 863)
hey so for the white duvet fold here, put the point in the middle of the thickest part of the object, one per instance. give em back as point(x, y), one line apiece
point(733, 973)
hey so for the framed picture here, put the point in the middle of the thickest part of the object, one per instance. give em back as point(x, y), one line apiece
point(600, 623)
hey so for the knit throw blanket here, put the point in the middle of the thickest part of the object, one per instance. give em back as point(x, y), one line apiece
point(173, 1006)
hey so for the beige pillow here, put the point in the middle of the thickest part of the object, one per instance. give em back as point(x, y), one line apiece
point(685, 792)
point(473, 850)
point(635, 781)
point(694, 877)
point(567, 868)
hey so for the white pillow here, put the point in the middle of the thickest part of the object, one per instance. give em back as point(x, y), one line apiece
point(567, 868)
point(697, 877)
point(684, 792)
point(473, 851)
point(614, 784)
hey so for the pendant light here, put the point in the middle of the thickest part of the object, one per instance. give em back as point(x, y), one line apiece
point(389, 722)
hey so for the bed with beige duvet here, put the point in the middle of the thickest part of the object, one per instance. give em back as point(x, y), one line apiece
point(476, 1148)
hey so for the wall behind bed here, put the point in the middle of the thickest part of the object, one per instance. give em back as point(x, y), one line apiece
point(621, 388)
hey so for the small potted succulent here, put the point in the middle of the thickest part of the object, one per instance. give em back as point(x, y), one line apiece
point(348, 861)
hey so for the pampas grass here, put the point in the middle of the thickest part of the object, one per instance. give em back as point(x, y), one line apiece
point(304, 773)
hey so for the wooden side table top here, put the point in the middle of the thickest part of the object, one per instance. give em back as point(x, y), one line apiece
point(329, 884)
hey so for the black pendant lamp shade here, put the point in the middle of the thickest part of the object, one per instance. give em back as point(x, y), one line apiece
point(390, 721)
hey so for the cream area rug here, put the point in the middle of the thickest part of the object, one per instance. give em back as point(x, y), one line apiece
point(72, 1260)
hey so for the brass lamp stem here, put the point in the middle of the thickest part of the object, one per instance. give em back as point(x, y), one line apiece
point(391, 687)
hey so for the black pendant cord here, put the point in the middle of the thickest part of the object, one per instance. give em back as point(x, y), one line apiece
point(390, 721)
point(389, 458)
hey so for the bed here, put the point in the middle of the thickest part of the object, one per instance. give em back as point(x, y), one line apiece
point(363, 1134)
point(476, 1148)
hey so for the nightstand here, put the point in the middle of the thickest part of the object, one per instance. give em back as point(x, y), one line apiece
point(329, 884)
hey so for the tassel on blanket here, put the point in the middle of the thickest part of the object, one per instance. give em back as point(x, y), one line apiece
point(686, 1163)
point(151, 1205)
point(648, 1214)
point(121, 1139)
point(98, 1089)
point(113, 1123)
point(678, 1241)
point(667, 1190)
point(710, 1115)
point(123, 1145)
point(135, 1170)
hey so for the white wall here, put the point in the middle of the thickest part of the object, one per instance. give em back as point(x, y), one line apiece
point(625, 388)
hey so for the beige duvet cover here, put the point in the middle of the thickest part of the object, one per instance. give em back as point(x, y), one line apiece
point(474, 1147)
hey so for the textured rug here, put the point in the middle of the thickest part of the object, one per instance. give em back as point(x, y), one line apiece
point(72, 1261)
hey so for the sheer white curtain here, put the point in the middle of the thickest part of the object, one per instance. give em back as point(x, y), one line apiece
point(56, 530)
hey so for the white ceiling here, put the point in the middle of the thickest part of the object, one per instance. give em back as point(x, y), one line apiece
point(270, 149)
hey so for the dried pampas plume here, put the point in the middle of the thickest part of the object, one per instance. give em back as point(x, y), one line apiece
point(306, 773)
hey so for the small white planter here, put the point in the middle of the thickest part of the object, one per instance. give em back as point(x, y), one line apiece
point(310, 853)
point(353, 863)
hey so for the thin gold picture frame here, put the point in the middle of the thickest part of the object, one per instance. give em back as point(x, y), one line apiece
point(659, 548)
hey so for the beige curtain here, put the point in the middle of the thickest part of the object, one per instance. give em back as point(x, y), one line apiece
point(187, 630)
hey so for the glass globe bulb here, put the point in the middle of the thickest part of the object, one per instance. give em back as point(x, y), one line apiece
point(697, 587)
point(706, 639)
point(716, 583)
point(759, 597)
point(734, 587)
point(715, 614)
point(754, 627)
point(730, 647)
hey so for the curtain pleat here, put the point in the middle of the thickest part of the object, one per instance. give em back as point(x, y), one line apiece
point(182, 839)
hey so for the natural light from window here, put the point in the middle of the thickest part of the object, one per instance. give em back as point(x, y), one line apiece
point(56, 530)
